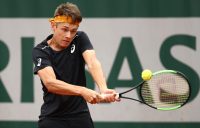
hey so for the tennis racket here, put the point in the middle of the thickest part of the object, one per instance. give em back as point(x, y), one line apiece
point(166, 90)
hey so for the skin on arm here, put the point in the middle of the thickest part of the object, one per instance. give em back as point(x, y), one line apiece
point(56, 86)
point(95, 69)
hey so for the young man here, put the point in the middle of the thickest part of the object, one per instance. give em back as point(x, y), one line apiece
point(60, 63)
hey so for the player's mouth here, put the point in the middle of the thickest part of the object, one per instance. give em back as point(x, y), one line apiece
point(66, 41)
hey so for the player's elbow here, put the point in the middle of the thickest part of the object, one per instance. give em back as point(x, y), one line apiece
point(49, 85)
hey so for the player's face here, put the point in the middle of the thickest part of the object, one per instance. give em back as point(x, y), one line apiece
point(64, 33)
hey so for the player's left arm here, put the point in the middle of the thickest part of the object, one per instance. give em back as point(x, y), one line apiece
point(95, 69)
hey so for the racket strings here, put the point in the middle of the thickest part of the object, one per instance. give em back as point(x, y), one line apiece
point(165, 91)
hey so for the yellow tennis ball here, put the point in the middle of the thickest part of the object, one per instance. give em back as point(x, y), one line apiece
point(146, 74)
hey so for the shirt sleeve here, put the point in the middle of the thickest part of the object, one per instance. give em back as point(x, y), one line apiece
point(41, 59)
point(84, 42)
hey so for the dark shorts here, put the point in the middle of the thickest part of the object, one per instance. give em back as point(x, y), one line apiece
point(82, 120)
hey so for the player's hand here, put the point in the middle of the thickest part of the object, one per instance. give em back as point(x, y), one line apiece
point(109, 95)
point(91, 96)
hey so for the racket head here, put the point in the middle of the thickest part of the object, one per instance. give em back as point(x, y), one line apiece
point(166, 90)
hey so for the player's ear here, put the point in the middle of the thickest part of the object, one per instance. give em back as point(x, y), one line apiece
point(53, 26)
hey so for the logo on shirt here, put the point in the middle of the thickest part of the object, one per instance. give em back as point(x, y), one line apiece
point(45, 47)
point(39, 60)
point(73, 48)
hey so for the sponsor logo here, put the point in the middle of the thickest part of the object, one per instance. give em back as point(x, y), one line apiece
point(73, 48)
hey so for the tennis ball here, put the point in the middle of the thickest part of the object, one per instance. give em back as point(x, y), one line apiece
point(146, 74)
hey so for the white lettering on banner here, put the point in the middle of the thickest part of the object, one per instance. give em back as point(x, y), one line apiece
point(147, 34)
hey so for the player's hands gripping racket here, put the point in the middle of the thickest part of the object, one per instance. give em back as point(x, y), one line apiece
point(163, 90)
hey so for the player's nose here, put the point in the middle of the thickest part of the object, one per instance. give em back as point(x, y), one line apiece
point(68, 34)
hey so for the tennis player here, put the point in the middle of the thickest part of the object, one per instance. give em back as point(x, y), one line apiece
point(60, 63)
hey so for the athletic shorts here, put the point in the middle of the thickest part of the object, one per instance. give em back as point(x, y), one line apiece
point(82, 120)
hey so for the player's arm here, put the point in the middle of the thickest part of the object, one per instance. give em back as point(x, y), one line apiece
point(95, 69)
point(54, 85)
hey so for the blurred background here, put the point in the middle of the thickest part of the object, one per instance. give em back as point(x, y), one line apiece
point(128, 36)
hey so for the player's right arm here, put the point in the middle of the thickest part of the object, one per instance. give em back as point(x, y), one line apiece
point(56, 86)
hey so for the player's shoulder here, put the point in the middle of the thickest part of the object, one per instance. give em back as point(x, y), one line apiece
point(81, 33)
point(43, 45)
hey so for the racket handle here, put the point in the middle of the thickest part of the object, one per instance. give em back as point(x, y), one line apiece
point(117, 96)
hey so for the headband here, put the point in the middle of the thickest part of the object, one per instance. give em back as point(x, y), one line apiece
point(65, 19)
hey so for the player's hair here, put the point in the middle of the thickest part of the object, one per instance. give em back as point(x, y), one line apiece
point(69, 9)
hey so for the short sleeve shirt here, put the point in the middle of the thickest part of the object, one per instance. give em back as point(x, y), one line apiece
point(69, 66)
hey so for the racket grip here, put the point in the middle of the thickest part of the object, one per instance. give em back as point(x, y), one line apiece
point(117, 96)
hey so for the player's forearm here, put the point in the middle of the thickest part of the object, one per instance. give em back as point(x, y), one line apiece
point(96, 71)
point(62, 88)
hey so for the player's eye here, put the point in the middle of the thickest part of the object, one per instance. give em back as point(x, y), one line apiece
point(64, 29)
point(73, 31)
